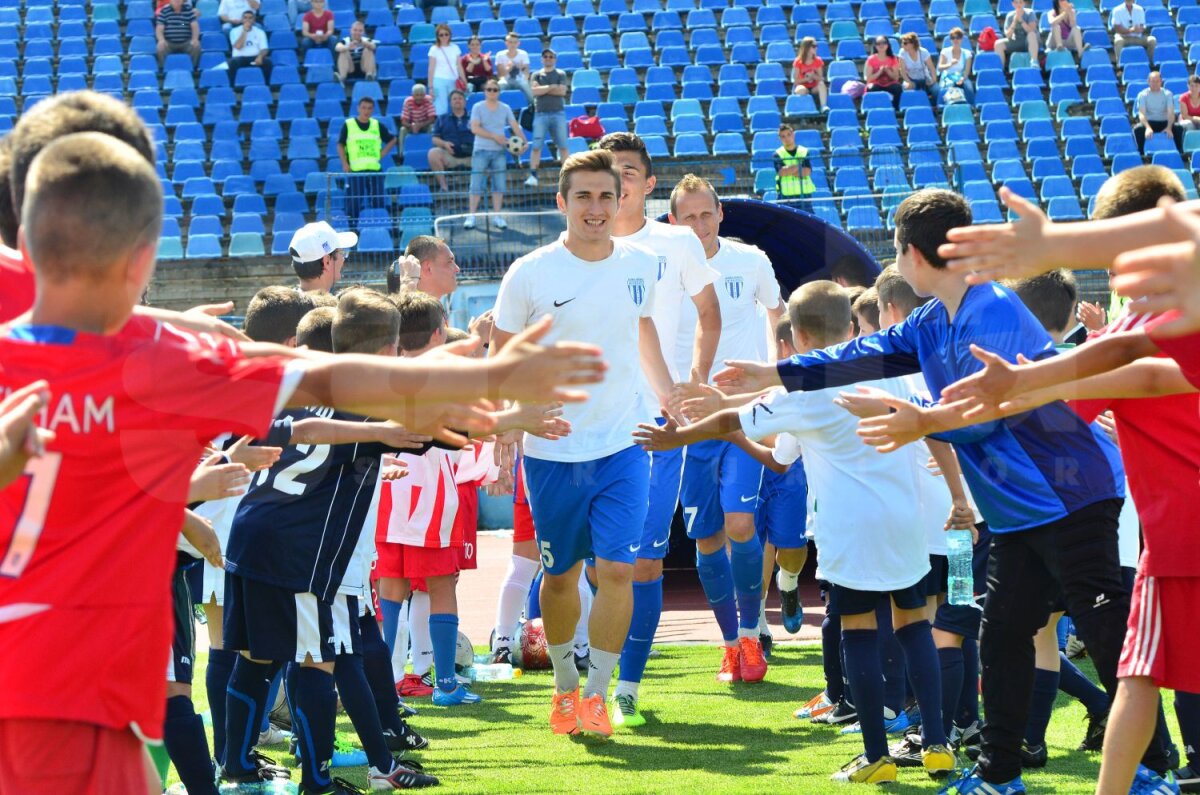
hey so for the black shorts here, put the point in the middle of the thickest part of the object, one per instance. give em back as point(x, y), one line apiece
point(934, 583)
point(183, 645)
point(849, 602)
point(276, 624)
point(964, 620)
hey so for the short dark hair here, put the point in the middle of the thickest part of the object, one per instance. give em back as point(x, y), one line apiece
point(421, 315)
point(423, 247)
point(366, 321)
point(315, 330)
point(363, 99)
point(892, 290)
point(821, 309)
point(853, 269)
point(595, 160)
point(309, 270)
point(274, 313)
point(1136, 189)
point(923, 219)
point(866, 305)
point(627, 142)
point(1050, 297)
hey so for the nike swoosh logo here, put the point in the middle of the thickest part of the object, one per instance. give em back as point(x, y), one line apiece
point(563, 303)
point(751, 498)
point(656, 545)
point(634, 549)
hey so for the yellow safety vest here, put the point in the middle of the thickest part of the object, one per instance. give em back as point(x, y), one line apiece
point(363, 147)
point(793, 186)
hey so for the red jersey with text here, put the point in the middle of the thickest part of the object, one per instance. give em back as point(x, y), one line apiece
point(418, 510)
point(16, 284)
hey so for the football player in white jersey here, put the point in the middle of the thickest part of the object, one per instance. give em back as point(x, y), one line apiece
point(682, 274)
point(720, 480)
point(589, 491)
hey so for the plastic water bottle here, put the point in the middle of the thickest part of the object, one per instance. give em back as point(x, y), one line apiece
point(493, 672)
point(960, 583)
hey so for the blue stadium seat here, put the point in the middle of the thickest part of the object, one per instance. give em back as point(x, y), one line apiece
point(203, 247)
point(690, 145)
point(1064, 208)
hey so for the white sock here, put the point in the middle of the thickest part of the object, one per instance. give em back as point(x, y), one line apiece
point(400, 653)
point(600, 672)
point(513, 594)
point(624, 688)
point(585, 611)
point(562, 659)
point(748, 633)
point(418, 623)
point(763, 627)
point(787, 580)
point(731, 644)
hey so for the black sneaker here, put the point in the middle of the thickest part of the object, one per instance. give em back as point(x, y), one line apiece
point(793, 611)
point(341, 786)
point(265, 769)
point(766, 641)
point(1093, 738)
point(964, 738)
point(1188, 779)
point(502, 656)
point(407, 740)
point(842, 713)
point(1033, 755)
point(907, 752)
point(583, 661)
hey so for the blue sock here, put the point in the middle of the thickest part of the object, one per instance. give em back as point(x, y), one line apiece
point(377, 665)
point(216, 682)
point(1064, 627)
point(1187, 710)
point(647, 609)
point(359, 704)
point(246, 697)
point(891, 657)
point(314, 717)
point(716, 577)
point(272, 694)
point(390, 611)
point(925, 674)
point(746, 561)
point(951, 661)
point(866, 681)
point(831, 657)
point(968, 702)
point(183, 736)
point(1041, 705)
point(533, 605)
point(1075, 684)
point(443, 631)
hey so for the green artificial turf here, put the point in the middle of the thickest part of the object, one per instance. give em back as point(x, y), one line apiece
point(700, 737)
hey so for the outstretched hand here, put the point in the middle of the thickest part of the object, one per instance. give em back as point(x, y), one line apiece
point(741, 377)
point(1165, 277)
point(1015, 250)
point(529, 371)
point(867, 401)
point(20, 438)
point(656, 438)
point(904, 424)
point(996, 383)
point(695, 401)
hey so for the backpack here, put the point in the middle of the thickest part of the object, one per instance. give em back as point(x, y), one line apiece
point(854, 88)
point(987, 39)
point(526, 118)
point(586, 127)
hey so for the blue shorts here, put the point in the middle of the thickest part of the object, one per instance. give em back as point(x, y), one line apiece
point(783, 509)
point(964, 620)
point(587, 508)
point(666, 470)
point(718, 478)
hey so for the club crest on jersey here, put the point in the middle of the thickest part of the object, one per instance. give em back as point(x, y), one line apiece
point(662, 267)
point(637, 290)
point(733, 286)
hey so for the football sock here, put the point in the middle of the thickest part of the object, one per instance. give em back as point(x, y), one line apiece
point(586, 596)
point(787, 580)
point(399, 652)
point(647, 609)
point(951, 661)
point(377, 666)
point(533, 605)
point(831, 657)
point(562, 660)
point(390, 612)
point(716, 577)
point(925, 675)
point(1187, 710)
point(418, 631)
point(600, 671)
point(746, 562)
point(1074, 683)
point(968, 702)
point(763, 627)
point(216, 682)
point(891, 657)
point(246, 695)
point(1041, 705)
point(186, 744)
point(513, 595)
point(359, 703)
point(314, 716)
point(443, 631)
point(269, 704)
point(866, 680)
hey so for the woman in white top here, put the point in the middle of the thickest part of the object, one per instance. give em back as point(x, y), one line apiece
point(916, 65)
point(445, 70)
point(954, 65)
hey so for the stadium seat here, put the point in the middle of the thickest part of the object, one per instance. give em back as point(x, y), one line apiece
point(203, 247)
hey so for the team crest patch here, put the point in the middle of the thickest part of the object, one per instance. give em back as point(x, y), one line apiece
point(637, 290)
point(733, 286)
point(662, 267)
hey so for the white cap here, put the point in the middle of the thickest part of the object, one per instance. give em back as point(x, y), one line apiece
point(313, 241)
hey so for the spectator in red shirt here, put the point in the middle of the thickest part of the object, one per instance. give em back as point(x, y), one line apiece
point(883, 71)
point(1189, 105)
point(477, 65)
point(418, 114)
point(317, 30)
point(808, 72)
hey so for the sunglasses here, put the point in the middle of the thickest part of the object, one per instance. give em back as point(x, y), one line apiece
point(491, 91)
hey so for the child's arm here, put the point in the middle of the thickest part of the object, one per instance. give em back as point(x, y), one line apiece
point(541, 419)
point(961, 516)
point(759, 452)
point(319, 430)
point(200, 534)
point(671, 435)
point(696, 401)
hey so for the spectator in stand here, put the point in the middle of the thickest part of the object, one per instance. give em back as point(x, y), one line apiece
point(477, 65)
point(1156, 114)
point(296, 9)
point(954, 65)
point(249, 47)
point(1128, 22)
point(362, 145)
point(490, 156)
point(177, 29)
point(550, 86)
point(1020, 33)
point(916, 64)
point(1065, 33)
point(808, 72)
point(445, 69)
point(793, 172)
point(512, 66)
point(453, 141)
point(418, 114)
point(884, 70)
point(1189, 105)
point(356, 54)
point(230, 12)
point(317, 28)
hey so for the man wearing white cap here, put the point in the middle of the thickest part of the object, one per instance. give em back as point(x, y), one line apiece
point(318, 254)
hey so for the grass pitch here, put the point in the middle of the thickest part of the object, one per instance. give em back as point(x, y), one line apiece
point(700, 737)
